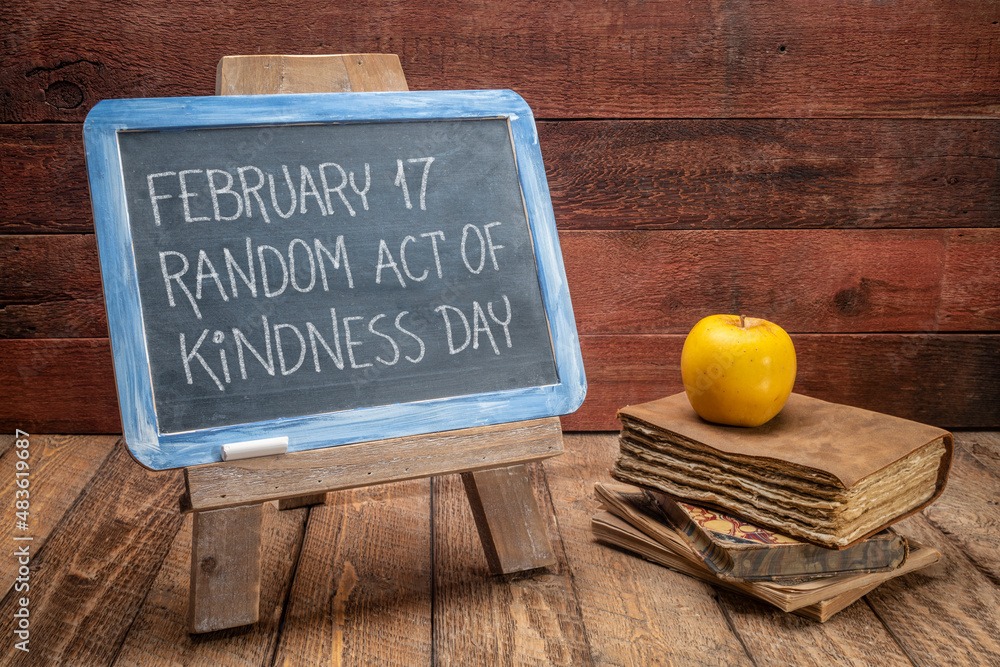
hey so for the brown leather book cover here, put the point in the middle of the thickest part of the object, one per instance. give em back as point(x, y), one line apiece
point(843, 444)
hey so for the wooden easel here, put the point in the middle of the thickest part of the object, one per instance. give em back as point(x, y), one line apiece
point(227, 498)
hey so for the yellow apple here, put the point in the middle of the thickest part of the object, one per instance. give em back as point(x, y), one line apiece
point(737, 370)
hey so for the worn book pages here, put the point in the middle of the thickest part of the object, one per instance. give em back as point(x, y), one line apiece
point(824, 473)
point(740, 551)
point(818, 599)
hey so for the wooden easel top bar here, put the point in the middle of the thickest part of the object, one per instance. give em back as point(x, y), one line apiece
point(276, 74)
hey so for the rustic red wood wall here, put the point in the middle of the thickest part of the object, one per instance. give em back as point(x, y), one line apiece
point(831, 166)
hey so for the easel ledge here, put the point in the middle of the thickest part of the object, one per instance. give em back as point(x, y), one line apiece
point(250, 481)
point(227, 499)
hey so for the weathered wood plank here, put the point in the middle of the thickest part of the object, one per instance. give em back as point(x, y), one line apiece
point(655, 174)
point(985, 447)
point(510, 525)
point(41, 268)
point(643, 282)
point(78, 318)
point(362, 589)
point(254, 480)
point(950, 380)
point(159, 636)
point(635, 612)
point(855, 636)
point(772, 173)
point(89, 582)
point(58, 385)
point(52, 287)
point(946, 614)
point(479, 619)
point(969, 510)
point(59, 467)
point(684, 60)
point(225, 568)
point(278, 74)
point(807, 281)
point(44, 179)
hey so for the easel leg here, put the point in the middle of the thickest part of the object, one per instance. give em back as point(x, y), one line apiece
point(225, 568)
point(510, 525)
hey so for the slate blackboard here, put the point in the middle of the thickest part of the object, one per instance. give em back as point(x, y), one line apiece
point(326, 265)
point(317, 268)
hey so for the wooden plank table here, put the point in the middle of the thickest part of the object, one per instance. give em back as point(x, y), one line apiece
point(395, 575)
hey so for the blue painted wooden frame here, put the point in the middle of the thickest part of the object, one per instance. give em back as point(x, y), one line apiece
point(121, 288)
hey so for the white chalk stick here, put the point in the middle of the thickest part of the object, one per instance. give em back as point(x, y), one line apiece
point(254, 448)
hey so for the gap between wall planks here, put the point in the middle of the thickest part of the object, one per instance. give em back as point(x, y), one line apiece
point(949, 380)
point(809, 59)
point(649, 282)
point(707, 173)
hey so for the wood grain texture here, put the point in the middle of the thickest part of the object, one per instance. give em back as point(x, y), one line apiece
point(951, 594)
point(348, 466)
point(44, 179)
point(642, 282)
point(635, 612)
point(77, 318)
point(301, 501)
point(375, 583)
point(362, 591)
point(51, 287)
point(985, 447)
point(57, 268)
point(814, 281)
point(655, 174)
point(60, 466)
point(969, 508)
point(673, 58)
point(89, 582)
point(159, 636)
point(949, 380)
point(773, 173)
point(225, 568)
point(855, 636)
point(510, 527)
point(58, 385)
point(522, 619)
point(277, 74)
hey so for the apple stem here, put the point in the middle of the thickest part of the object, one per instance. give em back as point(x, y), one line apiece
point(743, 322)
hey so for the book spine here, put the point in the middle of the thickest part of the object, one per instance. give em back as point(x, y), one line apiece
point(879, 554)
point(717, 560)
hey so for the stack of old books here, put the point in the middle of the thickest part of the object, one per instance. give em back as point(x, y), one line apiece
point(796, 512)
